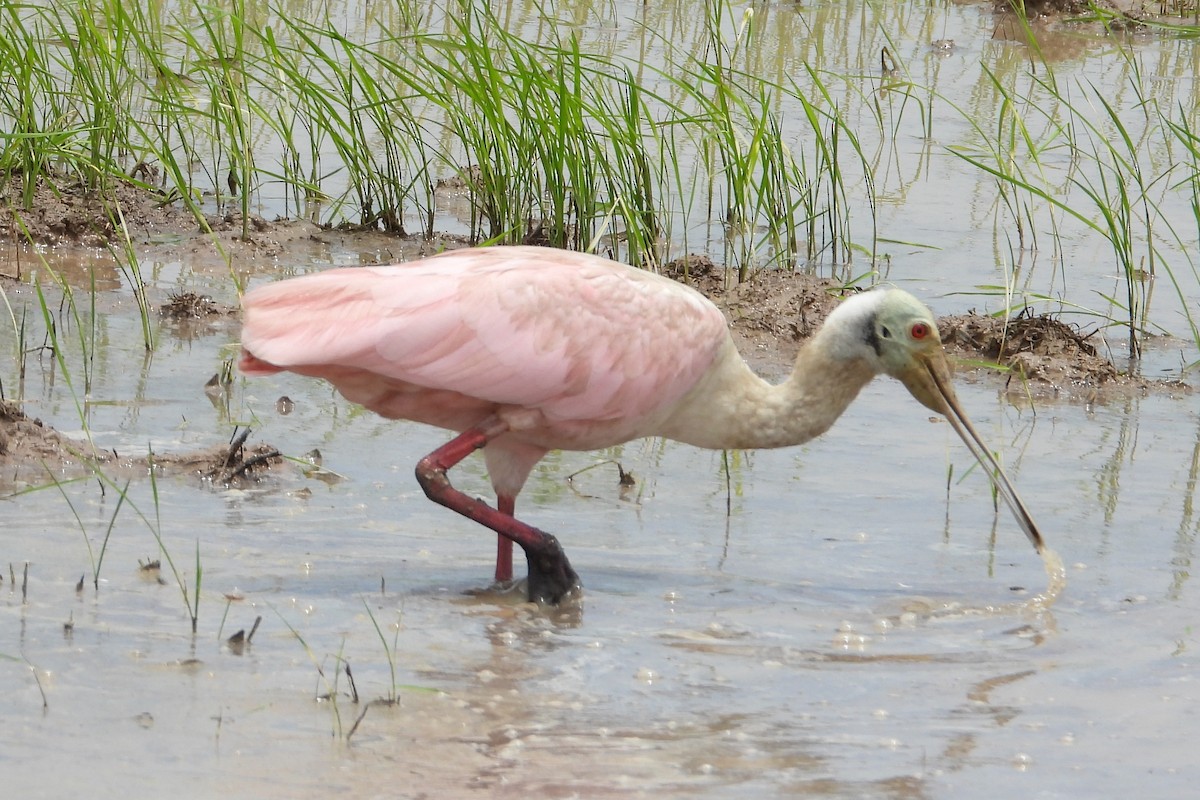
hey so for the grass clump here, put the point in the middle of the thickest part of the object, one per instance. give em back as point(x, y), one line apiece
point(550, 141)
point(551, 138)
point(1116, 185)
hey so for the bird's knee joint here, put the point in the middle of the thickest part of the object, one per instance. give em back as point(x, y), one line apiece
point(431, 476)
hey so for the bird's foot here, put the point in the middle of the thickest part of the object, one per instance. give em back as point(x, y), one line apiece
point(551, 577)
point(504, 593)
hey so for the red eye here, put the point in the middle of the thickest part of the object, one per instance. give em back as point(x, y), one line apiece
point(919, 330)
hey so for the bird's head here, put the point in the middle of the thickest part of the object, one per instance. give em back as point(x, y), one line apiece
point(904, 335)
point(899, 335)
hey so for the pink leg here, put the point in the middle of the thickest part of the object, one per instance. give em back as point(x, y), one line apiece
point(504, 547)
point(551, 577)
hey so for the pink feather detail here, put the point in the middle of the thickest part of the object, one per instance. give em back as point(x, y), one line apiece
point(582, 348)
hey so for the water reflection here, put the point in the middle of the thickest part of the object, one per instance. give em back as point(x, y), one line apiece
point(754, 624)
point(1185, 535)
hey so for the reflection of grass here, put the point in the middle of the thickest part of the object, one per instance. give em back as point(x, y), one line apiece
point(96, 559)
point(190, 600)
point(1188, 528)
point(1114, 186)
point(86, 323)
point(59, 352)
point(330, 689)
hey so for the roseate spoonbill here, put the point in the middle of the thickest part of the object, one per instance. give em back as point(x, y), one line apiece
point(523, 350)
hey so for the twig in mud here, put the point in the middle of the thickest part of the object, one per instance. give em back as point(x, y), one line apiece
point(235, 447)
point(235, 465)
point(25, 586)
point(379, 701)
point(625, 480)
point(249, 464)
point(241, 639)
point(353, 688)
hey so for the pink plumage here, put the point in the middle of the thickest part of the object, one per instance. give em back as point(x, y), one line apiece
point(523, 350)
point(567, 350)
point(593, 347)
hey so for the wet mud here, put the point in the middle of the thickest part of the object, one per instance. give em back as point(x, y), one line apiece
point(772, 314)
point(32, 452)
point(1102, 14)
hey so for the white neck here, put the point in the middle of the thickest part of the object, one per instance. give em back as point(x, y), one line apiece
point(732, 408)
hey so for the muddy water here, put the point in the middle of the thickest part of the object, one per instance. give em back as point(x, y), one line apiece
point(827, 636)
point(809, 622)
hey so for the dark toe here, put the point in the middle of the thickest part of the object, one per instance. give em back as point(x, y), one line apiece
point(551, 577)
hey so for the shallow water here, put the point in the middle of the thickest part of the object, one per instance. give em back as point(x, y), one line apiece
point(829, 636)
point(818, 623)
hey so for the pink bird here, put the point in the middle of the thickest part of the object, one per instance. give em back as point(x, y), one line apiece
point(523, 350)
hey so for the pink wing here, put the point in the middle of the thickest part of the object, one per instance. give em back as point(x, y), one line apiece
point(574, 336)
